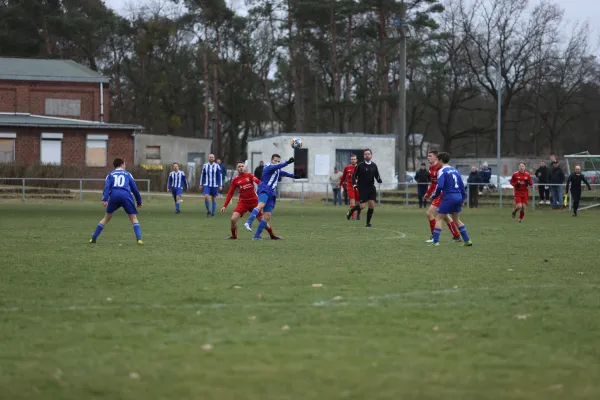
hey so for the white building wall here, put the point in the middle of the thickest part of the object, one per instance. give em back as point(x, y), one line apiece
point(172, 148)
point(382, 146)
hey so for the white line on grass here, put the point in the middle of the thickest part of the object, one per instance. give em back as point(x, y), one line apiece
point(359, 301)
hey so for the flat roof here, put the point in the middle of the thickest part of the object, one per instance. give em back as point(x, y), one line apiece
point(38, 69)
point(29, 120)
point(344, 135)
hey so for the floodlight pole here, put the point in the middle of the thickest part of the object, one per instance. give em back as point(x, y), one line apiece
point(499, 146)
point(401, 125)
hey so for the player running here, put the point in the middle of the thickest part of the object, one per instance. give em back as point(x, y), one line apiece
point(346, 183)
point(521, 180)
point(434, 167)
point(248, 200)
point(211, 183)
point(450, 185)
point(117, 193)
point(363, 179)
point(266, 193)
point(176, 183)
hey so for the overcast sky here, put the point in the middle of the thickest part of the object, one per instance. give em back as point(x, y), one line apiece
point(575, 10)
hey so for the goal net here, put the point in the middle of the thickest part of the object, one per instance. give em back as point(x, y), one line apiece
point(590, 168)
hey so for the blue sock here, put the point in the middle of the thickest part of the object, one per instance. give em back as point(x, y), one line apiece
point(98, 231)
point(261, 226)
point(463, 233)
point(177, 206)
point(214, 207)
point(436, 235)
point(206, 205)
point(252, 217)
point(137, 230)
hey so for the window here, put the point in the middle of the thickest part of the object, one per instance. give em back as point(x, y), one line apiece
point(153, 155)
point(96, 150)
point(7, 147)
point(342, 157)
point(301, 163)
point(63, 108)
point(51, 148)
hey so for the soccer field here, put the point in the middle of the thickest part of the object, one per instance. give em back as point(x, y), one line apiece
point(335, 311)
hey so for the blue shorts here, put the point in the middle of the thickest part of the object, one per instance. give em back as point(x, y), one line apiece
point(450, 204)
point(269, 200)
point(116, 202)
point(213, 191)
point(177, 192)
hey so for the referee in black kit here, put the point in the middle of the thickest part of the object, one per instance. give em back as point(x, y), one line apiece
point(364, 177)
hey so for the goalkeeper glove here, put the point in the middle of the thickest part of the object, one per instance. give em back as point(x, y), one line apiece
point(379, 181)
point(291, 160)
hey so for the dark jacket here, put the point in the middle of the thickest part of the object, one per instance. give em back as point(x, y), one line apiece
point(422, 176)
point(258, 171)
point(542, 174)
point(474, 178)
point(556, 175)
point(575, 180)
point(485, 175)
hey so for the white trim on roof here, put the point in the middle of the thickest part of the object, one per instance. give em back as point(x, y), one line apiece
point(52, 136)
point(96, 137)
point(8, 135)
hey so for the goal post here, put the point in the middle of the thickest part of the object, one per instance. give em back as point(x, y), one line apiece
point(590, 167)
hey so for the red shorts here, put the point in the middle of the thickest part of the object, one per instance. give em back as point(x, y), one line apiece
point(353, 194)
point(244, 207)
point(521, 198)
point(437, 201)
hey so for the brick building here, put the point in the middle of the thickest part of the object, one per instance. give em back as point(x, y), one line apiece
point(57, 112)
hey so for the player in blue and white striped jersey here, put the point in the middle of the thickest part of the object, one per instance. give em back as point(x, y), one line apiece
point(176, 183)
point(266, 193)
point(211, 182)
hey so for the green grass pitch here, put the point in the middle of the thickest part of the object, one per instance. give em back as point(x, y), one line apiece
point(335, 311)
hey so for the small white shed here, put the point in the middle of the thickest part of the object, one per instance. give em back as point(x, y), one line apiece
point(321, 152)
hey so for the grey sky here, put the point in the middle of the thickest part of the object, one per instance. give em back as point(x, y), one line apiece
point(575, 10)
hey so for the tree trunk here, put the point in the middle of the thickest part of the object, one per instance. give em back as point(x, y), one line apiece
point(337, 90)
point(345, 119)
point(217, 122)
point(383, 70)
point(206, 81)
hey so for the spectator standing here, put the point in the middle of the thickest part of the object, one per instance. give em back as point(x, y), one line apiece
point(334, 181)
point(474, 182)
point(259, 170)
point(422, 178)
point(485, 175)
point(542, 176)
point(556, 179)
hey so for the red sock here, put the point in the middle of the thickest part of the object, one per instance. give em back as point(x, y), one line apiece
point(432, 225)
point(522, 214)
point(270, 230)
point(453, 230)
point(234, 232)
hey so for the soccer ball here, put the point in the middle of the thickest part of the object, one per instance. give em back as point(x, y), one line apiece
point(296, 143)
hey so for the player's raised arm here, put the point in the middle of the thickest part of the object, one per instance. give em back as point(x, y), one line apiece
point(107, 186)
point(135, 191)
point(255, 180)
point(283, 164)
point(286, 174)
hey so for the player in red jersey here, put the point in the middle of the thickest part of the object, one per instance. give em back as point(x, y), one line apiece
point(346, 182)
point(434, 167)
point(248, 199)
point(521, 181)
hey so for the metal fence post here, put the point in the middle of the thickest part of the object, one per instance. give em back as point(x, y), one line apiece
point(468, 194)
point(81, 189)
point(23, 189)
point(379, 195)
point(302, 193)
point(327, 193)
point(406, 193)
point(148, 186)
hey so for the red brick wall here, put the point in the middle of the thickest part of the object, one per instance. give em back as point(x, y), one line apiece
point(27, 146)
point(30, 97)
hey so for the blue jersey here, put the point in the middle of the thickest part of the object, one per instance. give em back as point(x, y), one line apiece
point(177, 180)
point(450, 184)
point(270, 176)
point(120, 183)
point(211, 175)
